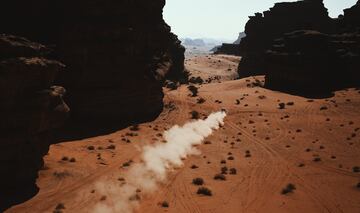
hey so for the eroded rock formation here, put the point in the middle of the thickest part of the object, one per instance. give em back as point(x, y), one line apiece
point(31, 108)
point(313, 63)
point(301, 50)
point(285, 17)
point(350, 21)
point(117, 53)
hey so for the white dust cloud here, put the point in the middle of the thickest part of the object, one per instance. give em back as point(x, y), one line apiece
point(157, 161)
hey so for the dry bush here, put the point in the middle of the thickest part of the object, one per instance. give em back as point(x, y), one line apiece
point(219, 177)
point(288, 189)
point(198, 181)
point(204, 191)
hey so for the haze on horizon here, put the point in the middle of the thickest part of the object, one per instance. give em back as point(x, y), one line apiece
point(224, 19)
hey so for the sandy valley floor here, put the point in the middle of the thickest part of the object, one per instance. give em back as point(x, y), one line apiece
point(312, 144)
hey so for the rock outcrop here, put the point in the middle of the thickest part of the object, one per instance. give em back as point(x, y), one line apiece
point(118, 53)
point(31, 108)
point(301, 50)
point(311, 63)
point(350, 21)
point(262, 29)
point(228, 49)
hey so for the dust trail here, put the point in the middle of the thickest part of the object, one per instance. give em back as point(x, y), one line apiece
point(157, 160)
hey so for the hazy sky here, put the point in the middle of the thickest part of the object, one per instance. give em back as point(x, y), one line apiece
point(224, 19)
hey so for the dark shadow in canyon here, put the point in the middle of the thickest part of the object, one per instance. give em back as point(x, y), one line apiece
point(12, 198)
point(78, 129)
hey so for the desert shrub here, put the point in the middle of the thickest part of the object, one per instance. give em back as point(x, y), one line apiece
point(317, 159)
point(111, 147)
point(257, 83)
point(61, 175)
point(64, 158)
point(198, 181)
point(233, 171)
point(290, 104)
point(194, 114)
point(126, 164)
point(196, 80)
point(281, 105)
point(60, 206)
point(201, 100)
point(231, 158)
point(288, 189)
point(356, 169)
point(219, 177)
point(194, 166)
point(72, 160)
point(135, 127)
point(194, 90)
point(165, 204)
point(323, 108)
point(204, 191)
point(90, 148)
point(224, 170)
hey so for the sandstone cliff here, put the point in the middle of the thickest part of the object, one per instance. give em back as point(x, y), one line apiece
point(31, 108)
point(301, 50)
point(313, 63)
point(284, 17)
point(117, 52)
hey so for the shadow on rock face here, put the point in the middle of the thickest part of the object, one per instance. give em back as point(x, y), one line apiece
point(31, 109)
point(21, 160)
point(81, 128)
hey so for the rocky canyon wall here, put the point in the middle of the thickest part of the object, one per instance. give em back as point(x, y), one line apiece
point(301, 49)
point(115, 56)
point(31, 108)
point(117, 52)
